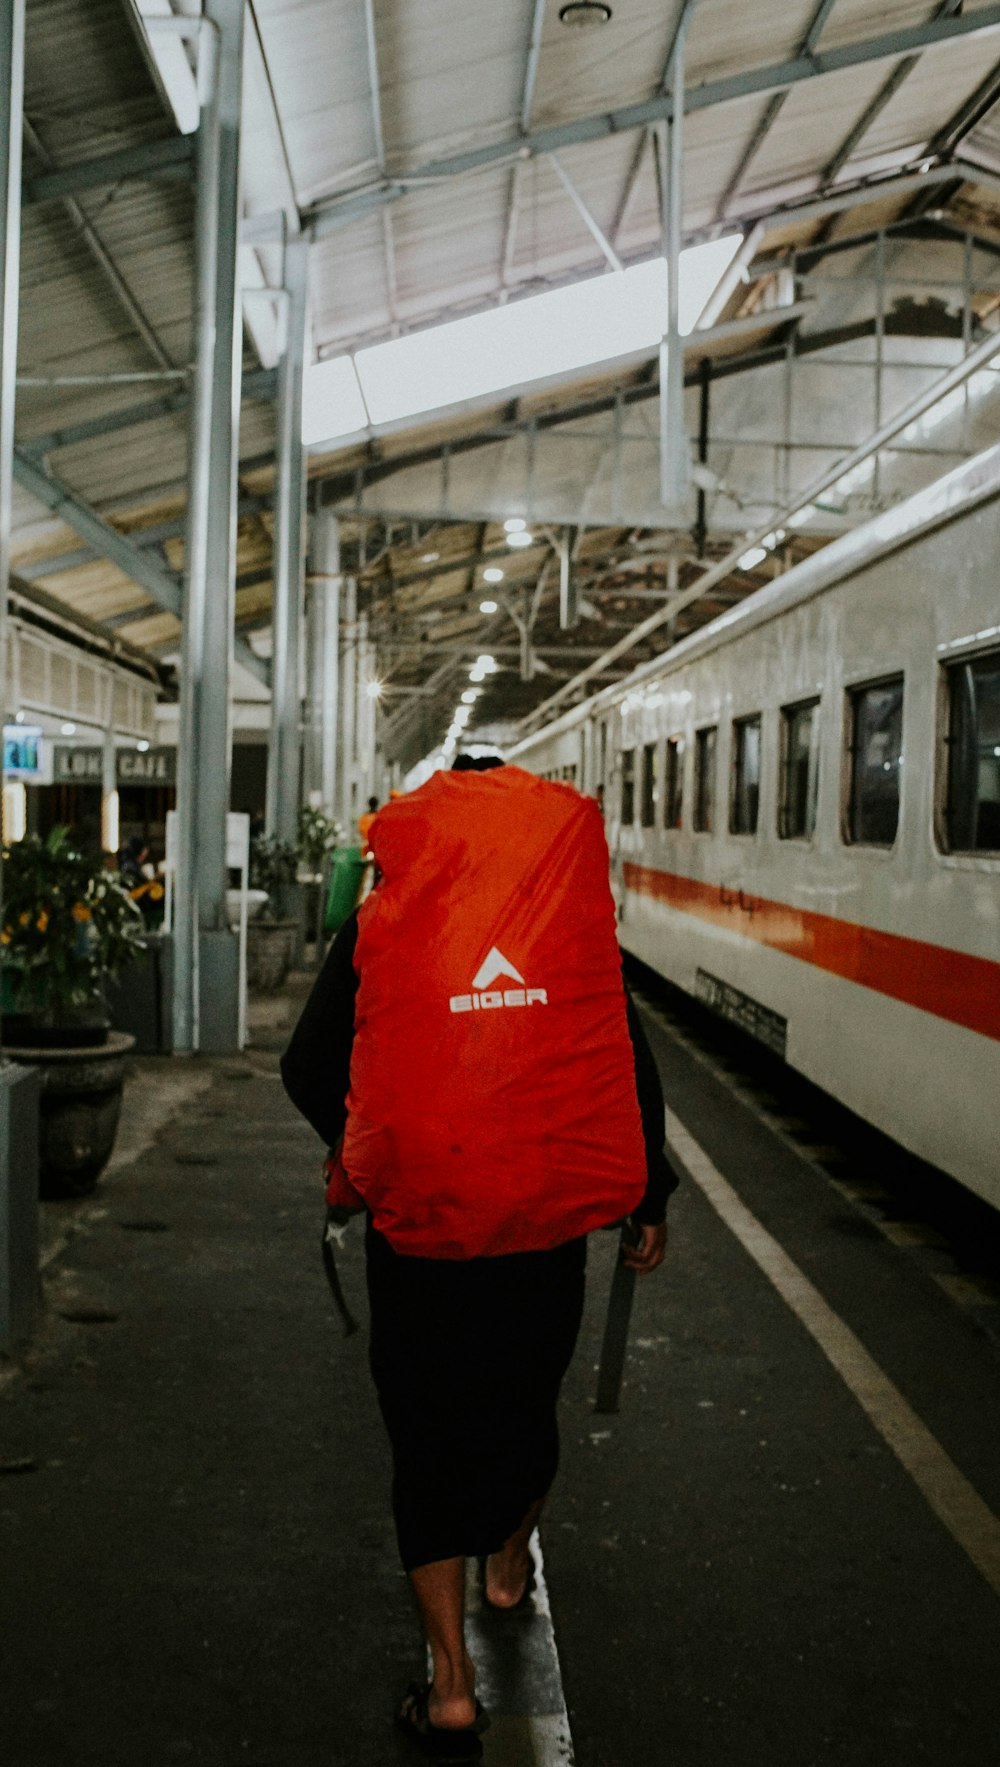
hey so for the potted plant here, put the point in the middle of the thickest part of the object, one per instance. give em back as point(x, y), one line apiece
point(319, 834)
point(273, 934)
point(68, 928)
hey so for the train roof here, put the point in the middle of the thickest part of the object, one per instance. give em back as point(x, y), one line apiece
point(958, 492)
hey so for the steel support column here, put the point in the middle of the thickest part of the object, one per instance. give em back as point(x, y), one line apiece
point(348, 708)
point(324, 661)
point(18, 1085)
point(205, 1005)
point(569, 600)
point(284, 753)
point(674, 462)
point(11, 108)
point(365, 715)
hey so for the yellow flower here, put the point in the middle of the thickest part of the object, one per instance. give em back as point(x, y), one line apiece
point(5, 936)
point(43, 920)
point(80, 912)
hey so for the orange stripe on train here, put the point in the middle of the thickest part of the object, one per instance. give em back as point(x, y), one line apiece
point(950, 984)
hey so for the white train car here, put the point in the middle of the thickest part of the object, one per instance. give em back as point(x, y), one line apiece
point(803, 809)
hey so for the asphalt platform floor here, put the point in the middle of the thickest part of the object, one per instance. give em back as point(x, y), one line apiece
point(196, 1554)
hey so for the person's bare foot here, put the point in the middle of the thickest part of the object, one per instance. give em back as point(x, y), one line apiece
point(507, 1577)
point(451, 1703)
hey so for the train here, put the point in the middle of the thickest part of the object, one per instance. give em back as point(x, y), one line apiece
point(802, 804)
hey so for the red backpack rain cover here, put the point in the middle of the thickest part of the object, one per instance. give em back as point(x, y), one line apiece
point(492, 1105)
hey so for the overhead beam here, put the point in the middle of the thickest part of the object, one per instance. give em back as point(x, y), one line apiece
point(886, 92)
point(173, 157)
point(95, 245)
point(983, 353)
point(329, 216)
point(259, 383)
point(968, 115)
point(105, 540)
point(139, 538)
point(765, 124)
point(680, 29)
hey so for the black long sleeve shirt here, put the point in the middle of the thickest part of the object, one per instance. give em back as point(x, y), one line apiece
point(316, 1068)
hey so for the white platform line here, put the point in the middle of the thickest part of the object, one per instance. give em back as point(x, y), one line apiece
point(519, 1680)
point(970, 1521)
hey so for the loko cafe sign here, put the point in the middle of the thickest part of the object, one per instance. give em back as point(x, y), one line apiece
point(84, 766)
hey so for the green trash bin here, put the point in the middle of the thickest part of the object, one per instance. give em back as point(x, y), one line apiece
point(346, 873)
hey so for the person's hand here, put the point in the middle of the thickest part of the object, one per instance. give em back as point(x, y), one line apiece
point(649, 1252)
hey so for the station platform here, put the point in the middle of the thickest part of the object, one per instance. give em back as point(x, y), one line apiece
point(783, 1550)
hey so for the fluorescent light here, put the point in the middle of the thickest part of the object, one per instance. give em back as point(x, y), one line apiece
point(755, 556)
point(520, 539)
point(514, 525)
point(487, 607)
point(597, 319)
point(493, 574)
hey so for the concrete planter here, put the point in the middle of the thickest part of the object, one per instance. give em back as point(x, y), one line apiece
point(270, 949)
point(79, 1108)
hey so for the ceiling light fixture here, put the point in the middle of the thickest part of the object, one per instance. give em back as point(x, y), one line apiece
point(69, 729)
point(520, 539)
point(514, 524)
point(143, 747)
point(493, 574)
point(582, 13)
point(374, 689)
point(487, 607)
point(470, 696)
point(429, 557)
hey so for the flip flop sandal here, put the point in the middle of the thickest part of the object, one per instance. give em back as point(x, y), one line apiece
point(523, 1601)
point(438, 1742)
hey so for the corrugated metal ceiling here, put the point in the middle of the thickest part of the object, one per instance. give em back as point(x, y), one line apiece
point(451, 76)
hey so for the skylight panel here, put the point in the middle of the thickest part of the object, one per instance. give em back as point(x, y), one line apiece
point(597, 320)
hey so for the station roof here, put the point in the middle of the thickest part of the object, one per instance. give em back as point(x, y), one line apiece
point(443, 157)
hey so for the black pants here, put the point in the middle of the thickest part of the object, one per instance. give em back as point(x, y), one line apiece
point(468, 1358)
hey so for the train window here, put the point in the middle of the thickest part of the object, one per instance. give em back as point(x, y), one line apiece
point(650, 785)
point(628, 785)
point(876, 760)
point(673, 795)
point(799, 770)
point(704, 779)
point(972, 805)
point(746, 776)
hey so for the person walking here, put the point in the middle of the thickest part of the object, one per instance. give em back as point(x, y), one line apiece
point(470, 1051)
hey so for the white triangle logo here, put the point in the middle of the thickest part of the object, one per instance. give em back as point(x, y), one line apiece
point(493, 966)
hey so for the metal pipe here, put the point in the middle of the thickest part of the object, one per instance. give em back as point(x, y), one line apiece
point(675, 465)
point(592, 225)
point(284, 756)
point(348, 699)
point(324, 659)
point(12, 101)
point(209, 585)
point(937, 390)
point(704, 406)
point(569, 601)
